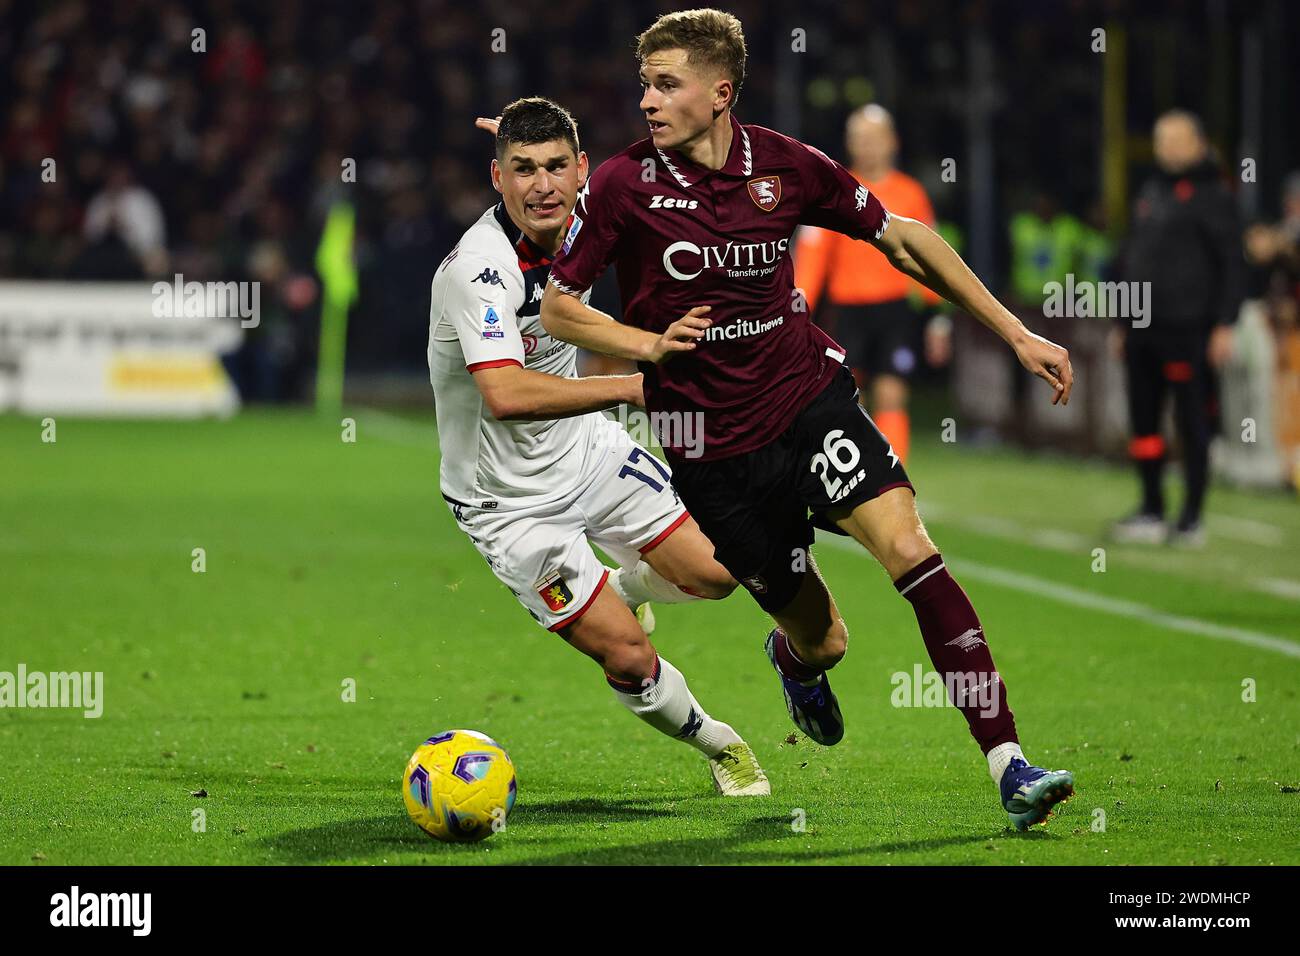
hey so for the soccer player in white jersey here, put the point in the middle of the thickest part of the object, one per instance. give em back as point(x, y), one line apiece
point(532, 470)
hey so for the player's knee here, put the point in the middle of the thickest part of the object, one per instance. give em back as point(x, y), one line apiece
point(908, 549)
point(629, 656)
point(713, 583)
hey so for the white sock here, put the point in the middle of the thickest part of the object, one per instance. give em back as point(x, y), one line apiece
point(1001, 756)
point(668, 706)
point(641, 583)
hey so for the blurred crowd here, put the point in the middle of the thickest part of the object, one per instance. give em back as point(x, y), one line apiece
point(141, 138)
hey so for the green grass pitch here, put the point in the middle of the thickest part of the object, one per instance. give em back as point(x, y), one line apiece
point(328, 560)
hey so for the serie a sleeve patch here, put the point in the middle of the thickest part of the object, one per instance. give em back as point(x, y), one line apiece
point(491, 323)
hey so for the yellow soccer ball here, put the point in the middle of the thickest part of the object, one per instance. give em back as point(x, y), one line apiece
point(459, 786)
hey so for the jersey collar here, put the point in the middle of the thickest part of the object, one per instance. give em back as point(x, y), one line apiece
point(528, 251)
point(740, 160)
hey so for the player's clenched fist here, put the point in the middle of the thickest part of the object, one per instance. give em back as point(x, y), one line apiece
point(682, 335)
point(1049, 362)
point(635, 390)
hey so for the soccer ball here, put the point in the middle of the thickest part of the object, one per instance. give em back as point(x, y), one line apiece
point(459, 786)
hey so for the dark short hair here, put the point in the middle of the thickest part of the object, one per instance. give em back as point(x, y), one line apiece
point(710, 38)
point(535, 119)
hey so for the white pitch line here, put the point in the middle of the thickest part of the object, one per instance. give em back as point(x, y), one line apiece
point(1279, 587)
point(1071, 542)
point(1246, 529)
point(1078, 597)
point(394, 428)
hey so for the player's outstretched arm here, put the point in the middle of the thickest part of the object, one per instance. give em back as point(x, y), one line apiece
point(512, 393)
point(919, 252)
point(567, 318)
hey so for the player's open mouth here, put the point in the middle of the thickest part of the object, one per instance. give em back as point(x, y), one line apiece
point(544, 208)
point(655, 125)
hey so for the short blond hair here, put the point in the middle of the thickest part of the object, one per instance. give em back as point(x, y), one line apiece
point(710, 37)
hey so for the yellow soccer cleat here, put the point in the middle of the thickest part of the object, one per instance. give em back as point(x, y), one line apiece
point(736, 772)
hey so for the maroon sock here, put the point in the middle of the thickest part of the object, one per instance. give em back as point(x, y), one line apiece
point(955, 640)
point(789, 662)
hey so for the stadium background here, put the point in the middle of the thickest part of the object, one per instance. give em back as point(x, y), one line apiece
point(329, 558)
point(240, 146)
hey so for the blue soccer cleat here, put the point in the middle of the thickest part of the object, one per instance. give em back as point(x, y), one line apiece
point(814, 709)
point(1029, 794)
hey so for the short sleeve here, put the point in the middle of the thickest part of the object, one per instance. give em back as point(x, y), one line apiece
point(836, 200)
point(481, 306)
point(591, 240)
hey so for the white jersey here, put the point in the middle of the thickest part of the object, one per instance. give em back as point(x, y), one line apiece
point(486, 312)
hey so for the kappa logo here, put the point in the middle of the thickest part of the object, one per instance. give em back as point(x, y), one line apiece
point(860, 197)
point(667, 202)
point(537, 294)
point(967, 641)
point(694, 724)
point(765, 192)
point(488, 276)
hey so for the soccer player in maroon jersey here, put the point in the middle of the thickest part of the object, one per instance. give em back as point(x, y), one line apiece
point(697, 220)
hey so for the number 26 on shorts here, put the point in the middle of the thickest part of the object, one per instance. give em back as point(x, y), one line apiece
point(838, 451)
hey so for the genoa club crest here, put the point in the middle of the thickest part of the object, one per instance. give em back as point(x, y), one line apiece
point(766, 192)
point(555, 592)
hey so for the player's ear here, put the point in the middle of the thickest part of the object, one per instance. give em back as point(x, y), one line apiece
point(724, 92)
point(496, 175)
point(583, 166)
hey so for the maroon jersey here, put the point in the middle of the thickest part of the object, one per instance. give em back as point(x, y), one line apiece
point(682, 236)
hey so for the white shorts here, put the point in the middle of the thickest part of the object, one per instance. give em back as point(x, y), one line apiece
point(624, 503)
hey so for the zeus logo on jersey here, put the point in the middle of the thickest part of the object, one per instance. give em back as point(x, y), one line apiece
point(488, 276)
point(492, 323)
point(667, 202)
point(741, 260)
